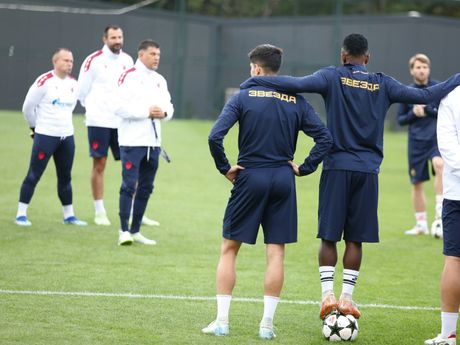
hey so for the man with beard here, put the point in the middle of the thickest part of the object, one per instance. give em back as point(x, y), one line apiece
point(97, 83)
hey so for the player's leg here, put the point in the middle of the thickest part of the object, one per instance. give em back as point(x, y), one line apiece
point(438, 166)
point(241, 224)
point(63, 161)
point(42, 150)
point(332, 213)
point(361, 226)
point(418, 173)
point(130, 162)
point(99, 139)
point(450, 279)
point(147, 171)
point(225, 282)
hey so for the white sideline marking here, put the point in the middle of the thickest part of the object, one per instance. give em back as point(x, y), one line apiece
point(196, 298)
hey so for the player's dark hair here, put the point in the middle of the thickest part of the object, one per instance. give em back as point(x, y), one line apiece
point(110, 27)
point(355, 45)
point(58, 50)
point(267, 56)
point(144, 45)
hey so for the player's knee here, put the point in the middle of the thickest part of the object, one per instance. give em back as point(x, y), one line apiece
point(31, 179)
point(438, 164)
point(144, 193)
point(127, 189)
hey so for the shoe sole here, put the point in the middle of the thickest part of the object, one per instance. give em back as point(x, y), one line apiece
point(125, 243)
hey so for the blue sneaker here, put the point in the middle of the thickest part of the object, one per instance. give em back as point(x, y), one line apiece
point(266, 330)
point(217, 328)
point(72, 220)
point(22, 221)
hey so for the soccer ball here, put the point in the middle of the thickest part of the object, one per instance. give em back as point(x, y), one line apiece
point(339, 327)
point(436, 228)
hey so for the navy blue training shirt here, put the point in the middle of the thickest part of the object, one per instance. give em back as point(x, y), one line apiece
point(269, 123)
point(420, 128)
point(356, 104)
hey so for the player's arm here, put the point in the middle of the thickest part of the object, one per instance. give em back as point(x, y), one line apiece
point(32, 100)
point(447, 133)
point(314, 83)
point(166, 105)
point(399, 93)
point(227, 118)
point(406, 115)
point(431, 110)
point(314, 127)
point(85, 79)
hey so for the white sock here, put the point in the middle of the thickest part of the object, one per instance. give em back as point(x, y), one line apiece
point(326, 276)
point(22, 209)
point(99, 206)
point(223, 307)
point(438, 207)
point(270, 304)
point(68, 211)
point(449, 324)
point(349, 280)
point(420, 218)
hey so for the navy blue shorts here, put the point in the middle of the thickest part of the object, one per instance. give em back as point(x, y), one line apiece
point(420, 152)
point(451, 227)
point(100, 139)
point(348, 203)
point(262, 196)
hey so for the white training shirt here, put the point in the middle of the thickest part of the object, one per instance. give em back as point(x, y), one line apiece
point(97, 83)
point(49, 104)
point(139, 89)
point(448, 132)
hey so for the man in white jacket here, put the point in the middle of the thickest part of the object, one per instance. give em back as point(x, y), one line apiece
point(48, 110)
point(97, 83)
point(448, 132)
point(143, 102)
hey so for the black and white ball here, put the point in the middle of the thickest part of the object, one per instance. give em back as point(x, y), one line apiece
point(339, 327)
point(436, 229)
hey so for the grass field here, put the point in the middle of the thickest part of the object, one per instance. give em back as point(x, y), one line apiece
point(189, 201)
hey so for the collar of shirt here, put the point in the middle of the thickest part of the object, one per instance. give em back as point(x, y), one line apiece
point(109, 53)
point(356, 67)
point(142, 68)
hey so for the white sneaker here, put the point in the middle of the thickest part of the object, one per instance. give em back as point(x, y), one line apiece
point(139, 238)
point(217, 328)
point(22, 221)
point(442, 341)
point(149, 222)
point(124, 238)
point(266, 330)
point(101, 219)
point(417, 230)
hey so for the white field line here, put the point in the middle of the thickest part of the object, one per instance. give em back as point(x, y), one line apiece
point(194, 298)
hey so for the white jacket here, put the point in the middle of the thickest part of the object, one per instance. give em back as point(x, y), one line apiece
point(97, 83)
point(448, 131)
point(139, 89)
point(49, 104)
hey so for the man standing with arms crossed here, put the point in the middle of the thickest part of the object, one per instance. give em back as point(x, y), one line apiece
point(264, 181)
point(143, 102)
point(422, 147)
point(97, 83)
point(48, 110)
point(448, 129)
point(356, 104)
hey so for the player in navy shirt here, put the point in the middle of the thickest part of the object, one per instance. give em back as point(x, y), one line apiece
point(356, 104)
point(422, 146)
point(264, 180)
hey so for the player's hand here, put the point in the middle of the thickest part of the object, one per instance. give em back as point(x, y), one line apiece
point(155, 112)
point(419, 110)
point(295, 167)
point(232, 172)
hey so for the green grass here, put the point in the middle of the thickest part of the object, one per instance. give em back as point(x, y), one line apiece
point(189, 200)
